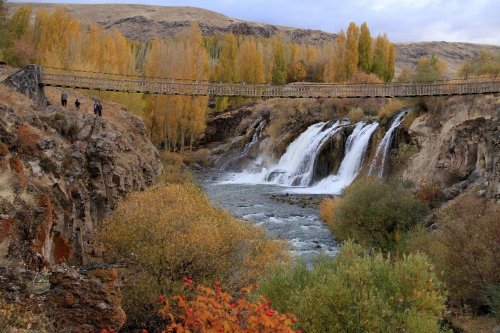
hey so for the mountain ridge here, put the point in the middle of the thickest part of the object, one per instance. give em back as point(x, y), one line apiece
point(144, 22)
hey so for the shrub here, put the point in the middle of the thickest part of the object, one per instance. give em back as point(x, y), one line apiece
point(356, 114)
point(390, 108)
point(359, 292)
point(169, 231)
point(27, 136)
point(326, 209)
point(431, 195)
point(212, 310)
point(6, 191)
point(376, 213)
point(465, 248)
point(468, 231)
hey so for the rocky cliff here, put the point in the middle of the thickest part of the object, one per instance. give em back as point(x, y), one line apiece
point(62, 172)
point(458, 142)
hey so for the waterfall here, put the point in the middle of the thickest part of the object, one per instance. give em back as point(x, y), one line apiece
point(296, 166)
point(377, 167)
point(355, 150)
point(246, 149)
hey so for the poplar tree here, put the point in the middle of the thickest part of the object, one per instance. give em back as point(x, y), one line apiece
point(352, 55)
point(380, 54)
point(365, 49)
point(279, 68)
point(226, 69)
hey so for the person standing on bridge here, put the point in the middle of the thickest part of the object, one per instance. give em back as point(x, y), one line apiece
point(64, 99)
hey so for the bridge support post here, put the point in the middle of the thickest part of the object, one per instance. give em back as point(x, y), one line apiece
point(28, 81)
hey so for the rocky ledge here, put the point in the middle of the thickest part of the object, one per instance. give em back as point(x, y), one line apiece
point(62, 172)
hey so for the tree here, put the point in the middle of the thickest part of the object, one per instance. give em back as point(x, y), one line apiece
point(226, 69)
point(352, 55)
point(250, 63)
point(484, 63)
point(296, 71)
point(429, 69)
point(279, 67)
point(365, 49)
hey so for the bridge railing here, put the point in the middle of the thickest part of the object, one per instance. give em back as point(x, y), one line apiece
point(294, 90)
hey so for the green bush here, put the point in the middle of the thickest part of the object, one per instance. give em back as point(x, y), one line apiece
point(359, 292)
point(376, 214)
point(492, 299)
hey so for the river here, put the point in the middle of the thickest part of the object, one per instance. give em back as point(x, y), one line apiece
point(301, 227)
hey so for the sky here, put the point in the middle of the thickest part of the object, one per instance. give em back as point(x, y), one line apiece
point(475, 21)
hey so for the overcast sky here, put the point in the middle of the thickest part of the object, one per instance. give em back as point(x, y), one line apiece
point(476, 21)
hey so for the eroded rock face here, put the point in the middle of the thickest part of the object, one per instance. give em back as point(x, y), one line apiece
point(67, 170)
point(459, 146)
point(65, 300)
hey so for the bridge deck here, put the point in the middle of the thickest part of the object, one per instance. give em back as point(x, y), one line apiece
point(295, 90)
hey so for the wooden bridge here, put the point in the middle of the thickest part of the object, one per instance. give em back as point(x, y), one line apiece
point(145, 85)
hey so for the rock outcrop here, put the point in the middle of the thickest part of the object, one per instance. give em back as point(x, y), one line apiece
point(63, 173)
point(65, 300)
point(459, 146)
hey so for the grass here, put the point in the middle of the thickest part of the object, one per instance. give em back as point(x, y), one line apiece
point(6, 191)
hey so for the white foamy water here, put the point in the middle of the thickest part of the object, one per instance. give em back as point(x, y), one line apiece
point(246, 149)
point(296, 166)
point(377, 167)
point(355, 150)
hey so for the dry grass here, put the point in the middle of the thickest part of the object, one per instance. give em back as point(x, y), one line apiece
point(356, 114)
point(482, 324)
point(27, 135)
point(389, 109)
point(6, 191)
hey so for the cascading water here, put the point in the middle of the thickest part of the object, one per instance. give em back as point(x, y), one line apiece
point(377, 167)
point(296, 166)
point(246, 149)
point(356, 146)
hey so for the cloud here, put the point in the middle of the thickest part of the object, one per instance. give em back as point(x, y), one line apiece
point(380, 5)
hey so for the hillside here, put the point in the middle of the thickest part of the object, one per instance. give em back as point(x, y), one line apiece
point(146, 22)
point(142, 22)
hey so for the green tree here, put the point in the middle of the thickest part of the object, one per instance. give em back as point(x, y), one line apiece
point(279, 68)
point(484, 63)
point(365, 49)
point(359, 292)
point(429, 69)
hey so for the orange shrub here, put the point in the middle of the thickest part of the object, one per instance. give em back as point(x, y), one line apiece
point(326, 208)
point(26, 135)
point(16, 164)
point(430, 195)
point(212, 310)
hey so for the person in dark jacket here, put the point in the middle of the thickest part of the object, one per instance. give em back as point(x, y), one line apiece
point(77, 104)
point(64, 99)
point(99, 109)
point(96, 108)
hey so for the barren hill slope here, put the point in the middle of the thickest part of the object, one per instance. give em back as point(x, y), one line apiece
point(145, 22)
point(142, 22)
